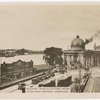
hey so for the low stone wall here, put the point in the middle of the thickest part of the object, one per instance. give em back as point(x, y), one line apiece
point(84, 83)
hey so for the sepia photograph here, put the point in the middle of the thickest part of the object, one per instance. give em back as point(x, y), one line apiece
point(49, 48)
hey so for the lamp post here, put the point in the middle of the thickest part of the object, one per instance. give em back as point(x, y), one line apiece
point(79, 64)
point(79, 78)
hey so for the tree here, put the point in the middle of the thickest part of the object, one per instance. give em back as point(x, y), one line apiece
point(53, 56)
point(21, 51)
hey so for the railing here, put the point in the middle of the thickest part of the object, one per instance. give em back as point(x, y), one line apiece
point(81, 87)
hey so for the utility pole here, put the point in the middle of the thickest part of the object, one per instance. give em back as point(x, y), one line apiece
point(79, 78)
point(79, 64)
point(91, 70)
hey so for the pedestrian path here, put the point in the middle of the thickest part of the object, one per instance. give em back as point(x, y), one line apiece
point(93, 84)
point(96, 85)
point(89, 85)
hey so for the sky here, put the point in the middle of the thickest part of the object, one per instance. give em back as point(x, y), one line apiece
point(37, 27)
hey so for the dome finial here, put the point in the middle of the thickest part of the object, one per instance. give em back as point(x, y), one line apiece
point(77, 36)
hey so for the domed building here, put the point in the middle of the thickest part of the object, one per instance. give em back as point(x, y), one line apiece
point(77, 44)
point(78, 54)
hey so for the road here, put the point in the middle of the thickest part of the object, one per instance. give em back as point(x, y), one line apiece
point(14, 88)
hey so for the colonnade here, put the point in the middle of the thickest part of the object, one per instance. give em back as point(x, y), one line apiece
point(88, 60)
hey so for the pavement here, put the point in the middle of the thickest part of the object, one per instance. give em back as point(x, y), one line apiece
point(93, 84)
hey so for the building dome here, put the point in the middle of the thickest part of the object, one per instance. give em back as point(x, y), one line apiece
point(77, 44)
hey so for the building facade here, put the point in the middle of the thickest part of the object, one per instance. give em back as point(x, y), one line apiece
point(96, 47)
point(79, 55)
point(16, 70)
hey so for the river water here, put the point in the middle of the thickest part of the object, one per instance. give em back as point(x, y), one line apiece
point(36, 58)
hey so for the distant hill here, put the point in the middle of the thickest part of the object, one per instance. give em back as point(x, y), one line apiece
point(14, 52)
point(25, 52)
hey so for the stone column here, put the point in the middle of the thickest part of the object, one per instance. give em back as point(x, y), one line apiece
point(68, 60)
point(82, 59)
point(86, 60)
point(99, 61)
point(96, 60)
point(65, 60)
point(92, 60)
